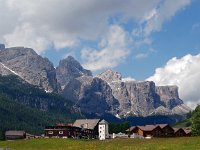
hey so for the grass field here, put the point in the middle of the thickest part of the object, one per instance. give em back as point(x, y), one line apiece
point(187, 143)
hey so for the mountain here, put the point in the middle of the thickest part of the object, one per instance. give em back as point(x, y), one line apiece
point(26, 107)
point(105, 94)
point(143, 98)
point(69, 69)
point(91, 95)
point(28, 65)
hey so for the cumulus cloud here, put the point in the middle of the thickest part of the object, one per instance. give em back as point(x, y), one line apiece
point(183, 72)
point(41, 24)
point(128, 79)
point(114, 48)
point(61, 23)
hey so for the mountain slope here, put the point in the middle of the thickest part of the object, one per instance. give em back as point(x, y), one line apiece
point(27, 64)
point(26, 107)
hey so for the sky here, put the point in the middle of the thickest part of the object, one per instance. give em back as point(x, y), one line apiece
point(157, 40)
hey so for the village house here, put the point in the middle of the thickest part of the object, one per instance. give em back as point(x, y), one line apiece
point(14, 135)
point(89, 127)
point(149, 131)
point(167, 130)
point(81, 128)
point(62, 131)
point(103, 130)
point(158, 130)
point(179, 132)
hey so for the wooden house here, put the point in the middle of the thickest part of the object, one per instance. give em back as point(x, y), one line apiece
point(14, 135)
point(158, 130)
point(147, 131)
point(167, 130)
point(179, 132)
point(86, 128)
point(130, 130)
point(89, 127)
point(62, 131)
point(188, 131)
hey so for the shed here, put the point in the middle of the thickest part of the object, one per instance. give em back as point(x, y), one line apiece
point(14, 135)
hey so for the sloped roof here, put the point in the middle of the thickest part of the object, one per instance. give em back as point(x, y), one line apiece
point(147, 127)
point(176, 129)
point(162, 125)
point(131, 128)
point(15, 133)
point(103, 122)
point(187, 131)
point(86, 123)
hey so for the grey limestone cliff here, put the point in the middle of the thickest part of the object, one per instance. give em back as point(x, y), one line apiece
point(143, 98)
point(70, 69)
point(28, 65)
point(91, 95)
point(105, 93)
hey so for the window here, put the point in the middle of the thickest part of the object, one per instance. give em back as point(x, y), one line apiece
point(50, 132)
point(60, 132)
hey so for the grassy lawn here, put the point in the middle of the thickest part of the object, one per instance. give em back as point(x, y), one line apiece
point(187, 143)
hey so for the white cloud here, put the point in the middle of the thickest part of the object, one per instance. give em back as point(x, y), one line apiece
point(164, 12)
point(154, 19)
point(62, 23)
point(27, 36)
point(41, 24)
point(128, 79)
point(114, 48)
point(141, 56)
point(183, 72)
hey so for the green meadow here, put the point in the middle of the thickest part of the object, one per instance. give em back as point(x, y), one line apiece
point(186, 143)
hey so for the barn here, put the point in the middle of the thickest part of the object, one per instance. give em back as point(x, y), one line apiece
point(14, 135)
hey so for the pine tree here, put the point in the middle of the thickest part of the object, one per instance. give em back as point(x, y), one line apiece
point(196, 121)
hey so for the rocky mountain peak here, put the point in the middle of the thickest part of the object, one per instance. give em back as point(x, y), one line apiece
point(69, 69)
point(30, 66)
point(110, 76)
point(167, 92)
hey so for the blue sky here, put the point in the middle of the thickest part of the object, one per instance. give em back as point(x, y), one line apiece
point(156, 40)
point(179, 36)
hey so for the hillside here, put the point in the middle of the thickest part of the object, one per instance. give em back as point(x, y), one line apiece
point(26, 107)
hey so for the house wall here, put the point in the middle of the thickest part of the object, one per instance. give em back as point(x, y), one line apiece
point(103, 131)
point(140, 132)
point(168, 131)
point(157, 132)
point(15, 137)
point(180, 133)
point(63, 132)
